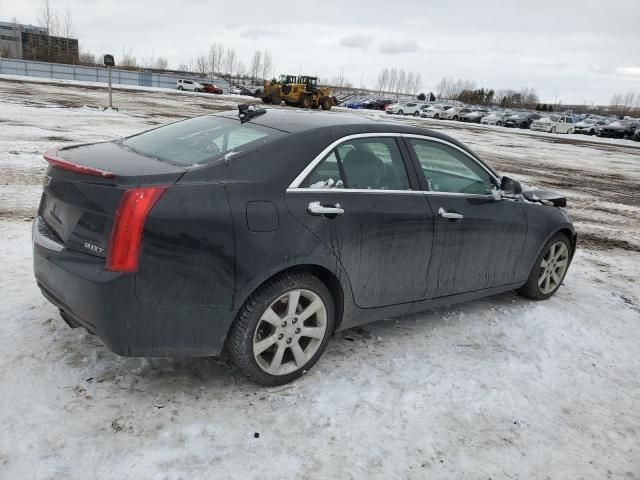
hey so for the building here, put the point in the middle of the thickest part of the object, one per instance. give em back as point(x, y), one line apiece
point(30, 42)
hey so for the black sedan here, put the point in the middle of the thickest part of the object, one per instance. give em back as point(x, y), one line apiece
point(619, 129)
point(257, 235)
point(521, 120)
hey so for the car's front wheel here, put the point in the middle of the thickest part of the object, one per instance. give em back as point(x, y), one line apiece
point(549, 270)
point(282, 329)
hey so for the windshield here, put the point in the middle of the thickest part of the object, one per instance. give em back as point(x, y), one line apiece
point(199, 140)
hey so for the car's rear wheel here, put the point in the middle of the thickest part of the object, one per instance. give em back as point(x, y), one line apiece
point(549, 270)
point(499, 124)
point(400, 112)
point(553, 129)
point(416, 113)
point(437, 116)
point(180, 87)
point(282, 329)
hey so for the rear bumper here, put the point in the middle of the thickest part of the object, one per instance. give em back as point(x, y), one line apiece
point(105, 303)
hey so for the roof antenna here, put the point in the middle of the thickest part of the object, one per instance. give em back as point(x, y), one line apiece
point(247, 111)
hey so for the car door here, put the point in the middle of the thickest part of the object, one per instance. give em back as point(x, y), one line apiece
point(360, 199)
point(479, 236)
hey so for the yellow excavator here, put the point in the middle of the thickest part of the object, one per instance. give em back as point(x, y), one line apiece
point(302, 91)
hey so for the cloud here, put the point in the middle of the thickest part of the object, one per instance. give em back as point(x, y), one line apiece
point(256, 32)
point(355, 41)
point(399, 46)
point(630, 71)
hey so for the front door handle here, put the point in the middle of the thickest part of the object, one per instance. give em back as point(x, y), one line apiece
point(450, 215)
point(316, 208)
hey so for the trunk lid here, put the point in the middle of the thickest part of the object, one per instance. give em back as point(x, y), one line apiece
point(83, 188)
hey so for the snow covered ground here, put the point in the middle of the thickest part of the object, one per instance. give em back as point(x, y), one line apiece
point(498, 388)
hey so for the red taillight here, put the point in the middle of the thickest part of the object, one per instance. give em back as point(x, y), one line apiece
point(126, 234)
point(51, 156)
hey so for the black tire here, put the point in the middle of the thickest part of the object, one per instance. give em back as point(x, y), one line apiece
point(266, 99)
point(416, 113)
point(437, 116)
point(180, 87)
point(239, 344)
point(499, 124)
point(455, 117)
point(531, 289)
point(326, 103)
point(275, 100)
point(400, 112)
point(305, 101)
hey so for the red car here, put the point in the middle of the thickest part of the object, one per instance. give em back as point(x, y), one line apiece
point(210, 88)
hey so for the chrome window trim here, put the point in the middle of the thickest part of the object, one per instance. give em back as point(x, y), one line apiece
point(309, 168)
point(295, 185)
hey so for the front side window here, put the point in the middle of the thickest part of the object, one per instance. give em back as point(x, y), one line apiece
point(447, 169)
point(364, 164)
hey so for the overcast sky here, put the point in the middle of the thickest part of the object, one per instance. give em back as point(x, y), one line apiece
point(574, 51)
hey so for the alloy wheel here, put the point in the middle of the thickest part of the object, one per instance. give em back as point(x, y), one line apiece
point(553, 267)
point(290, 332)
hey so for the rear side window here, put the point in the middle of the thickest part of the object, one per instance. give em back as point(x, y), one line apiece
point(200, 140)
point(364, 164)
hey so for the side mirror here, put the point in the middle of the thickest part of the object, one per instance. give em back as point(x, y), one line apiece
point(510, 187)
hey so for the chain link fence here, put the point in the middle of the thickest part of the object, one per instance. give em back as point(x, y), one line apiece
point(58, 71)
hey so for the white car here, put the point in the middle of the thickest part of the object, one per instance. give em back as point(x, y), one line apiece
point(189, 85)
point(589, 126)
point(235, 91)
point(494, 118)
point(409, 108)
point(433, 111)
point(454, 113)
point(554, 124)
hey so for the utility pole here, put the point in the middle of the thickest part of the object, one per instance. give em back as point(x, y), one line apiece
point(109, 62)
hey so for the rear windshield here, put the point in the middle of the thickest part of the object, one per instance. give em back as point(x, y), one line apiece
point(199, 140)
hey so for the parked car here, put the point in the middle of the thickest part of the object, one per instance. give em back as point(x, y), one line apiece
point(236, 91)
point(409, 108)
point(474, 116)
point(495, 118)
point(178, 241)
point(454, 113)
point(554, 124)
point(521, 119)
point(589, 126)
point(210, 88)
point(377, 104)
point(189, 85)
point(619, 129)
point(433, 111)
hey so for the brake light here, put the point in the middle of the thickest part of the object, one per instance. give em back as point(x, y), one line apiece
point(126, 234)
point(51, 156)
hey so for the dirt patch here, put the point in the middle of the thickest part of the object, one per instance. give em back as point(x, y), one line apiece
point(601, 242)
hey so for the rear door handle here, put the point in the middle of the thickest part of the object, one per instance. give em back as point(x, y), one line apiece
point(316, 208)
point(450, 215)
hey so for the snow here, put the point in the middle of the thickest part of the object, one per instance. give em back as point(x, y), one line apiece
point(497, 388)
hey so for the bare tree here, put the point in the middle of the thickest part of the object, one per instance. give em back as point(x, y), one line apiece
point(202, 65)
point(267, 64)
point(67, 24)
point(383, 80)
point(230, 61)
point(216, 53)
point(241, 70)
point(128, 60)
point(87, 58)
point(256, 65)
point(417, 83)
point(161, 63)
